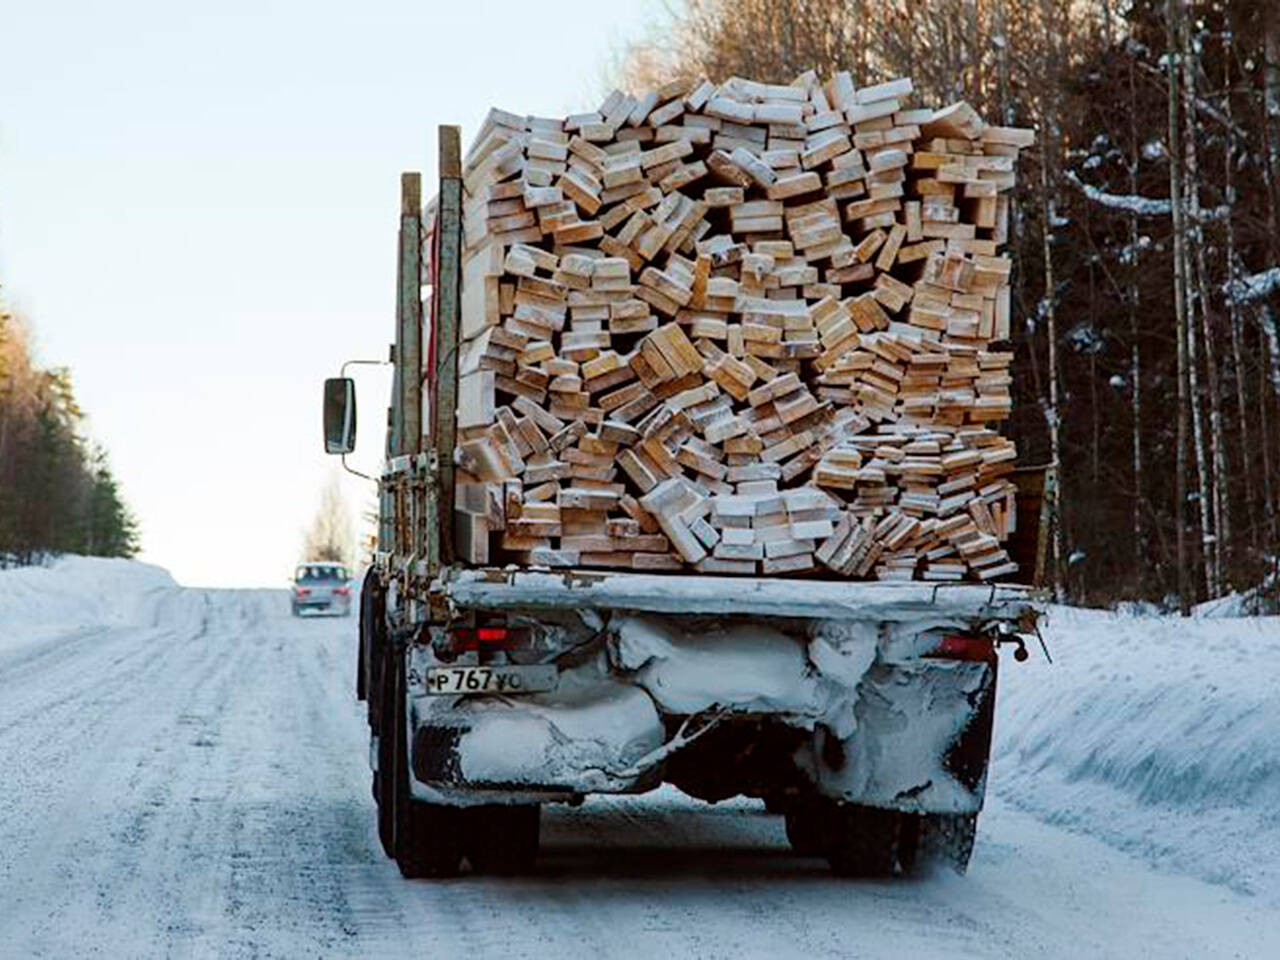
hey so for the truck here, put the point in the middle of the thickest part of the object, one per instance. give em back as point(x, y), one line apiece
point(861, 712)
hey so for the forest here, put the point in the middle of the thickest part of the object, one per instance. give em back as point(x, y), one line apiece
point(1145, 243)
point(57, 491)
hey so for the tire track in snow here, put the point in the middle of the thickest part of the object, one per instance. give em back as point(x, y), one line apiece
point(117, 779)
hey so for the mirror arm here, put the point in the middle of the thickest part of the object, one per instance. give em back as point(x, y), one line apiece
point(367, 363)
point(357, 473)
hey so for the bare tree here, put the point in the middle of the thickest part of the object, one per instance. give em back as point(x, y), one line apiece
point(1237, 353)
point(1216, 535)
point(331, 535)
point(1172, 11)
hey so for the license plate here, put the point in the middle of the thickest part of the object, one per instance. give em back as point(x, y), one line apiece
point(514, 679)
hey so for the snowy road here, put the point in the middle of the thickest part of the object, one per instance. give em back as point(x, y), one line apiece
point(197, 787)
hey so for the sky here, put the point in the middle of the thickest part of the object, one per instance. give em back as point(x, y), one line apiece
point(198, 216)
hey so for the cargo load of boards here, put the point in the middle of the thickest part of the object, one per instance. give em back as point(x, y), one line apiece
point(738, 329)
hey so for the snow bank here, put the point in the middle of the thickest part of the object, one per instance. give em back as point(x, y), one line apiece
point(72, 593)
point(1159, 734)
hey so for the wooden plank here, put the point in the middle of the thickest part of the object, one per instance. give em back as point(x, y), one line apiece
point(445, 325)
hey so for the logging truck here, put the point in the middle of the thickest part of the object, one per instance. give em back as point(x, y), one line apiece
point(861, 710)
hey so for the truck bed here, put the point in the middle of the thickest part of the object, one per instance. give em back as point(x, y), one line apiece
point(497, 589)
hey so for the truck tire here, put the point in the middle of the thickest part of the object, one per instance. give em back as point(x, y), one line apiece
point(360, 692)
point(370, 647)
point(503, 839)
point(427, 836)
point(382, 779)
point(806, 821)
point(867, 841)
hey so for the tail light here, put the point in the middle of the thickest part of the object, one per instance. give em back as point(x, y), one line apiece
point(342, 591)
point(489, 638)
point(483, 639)
point(302, 591)
point(964, 646)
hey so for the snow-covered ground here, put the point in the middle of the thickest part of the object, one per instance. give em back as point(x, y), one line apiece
point(183, 774)
point(1158, 734)
point(74, 593)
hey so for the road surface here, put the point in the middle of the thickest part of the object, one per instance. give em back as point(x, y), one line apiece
point(197, 787)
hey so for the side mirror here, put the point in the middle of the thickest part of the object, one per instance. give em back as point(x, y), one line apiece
point(339, 415)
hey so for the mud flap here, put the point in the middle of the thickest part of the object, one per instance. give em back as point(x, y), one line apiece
point(435, 754)
point(922, 741)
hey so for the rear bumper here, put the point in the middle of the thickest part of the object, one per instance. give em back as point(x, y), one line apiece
point(915, 737)
point(590, 736)
point(338, 603)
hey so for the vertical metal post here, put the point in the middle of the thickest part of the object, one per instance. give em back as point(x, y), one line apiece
point(447, 294)
point(409, 318)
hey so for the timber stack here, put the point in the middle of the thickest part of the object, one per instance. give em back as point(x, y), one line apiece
point(739, 329)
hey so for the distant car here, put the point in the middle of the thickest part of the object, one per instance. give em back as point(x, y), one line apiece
point(322, 586)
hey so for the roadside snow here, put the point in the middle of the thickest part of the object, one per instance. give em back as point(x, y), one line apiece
point(73, 593)
point(1157, 734)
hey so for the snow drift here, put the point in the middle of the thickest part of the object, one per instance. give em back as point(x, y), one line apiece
point(1159, 734)
point(72, 593)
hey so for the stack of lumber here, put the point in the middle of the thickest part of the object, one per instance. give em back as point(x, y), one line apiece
point(739, 329)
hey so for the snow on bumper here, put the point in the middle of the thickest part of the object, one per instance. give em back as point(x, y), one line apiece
point(582, 738)
point(889, 728)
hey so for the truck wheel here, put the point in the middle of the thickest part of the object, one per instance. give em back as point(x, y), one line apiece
point(805, 822)
point(428, 840)
point(503, 839)
point(360, 694)
point(866, 841)
point(382, 780)
point(948, 838)
point(372, 644)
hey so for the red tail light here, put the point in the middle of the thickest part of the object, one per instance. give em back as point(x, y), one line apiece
point(488, 638)
point(302, 592)
point(341, 591)
point(964, 646)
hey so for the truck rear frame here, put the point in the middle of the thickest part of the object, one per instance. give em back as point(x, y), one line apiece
point(862, 711)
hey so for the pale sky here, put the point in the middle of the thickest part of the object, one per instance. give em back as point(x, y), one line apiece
point(198, 213)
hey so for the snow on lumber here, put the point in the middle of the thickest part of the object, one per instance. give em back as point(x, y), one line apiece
point(1156, 733)
point(1255, 286)
point(41, 602)
point(739, 329)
